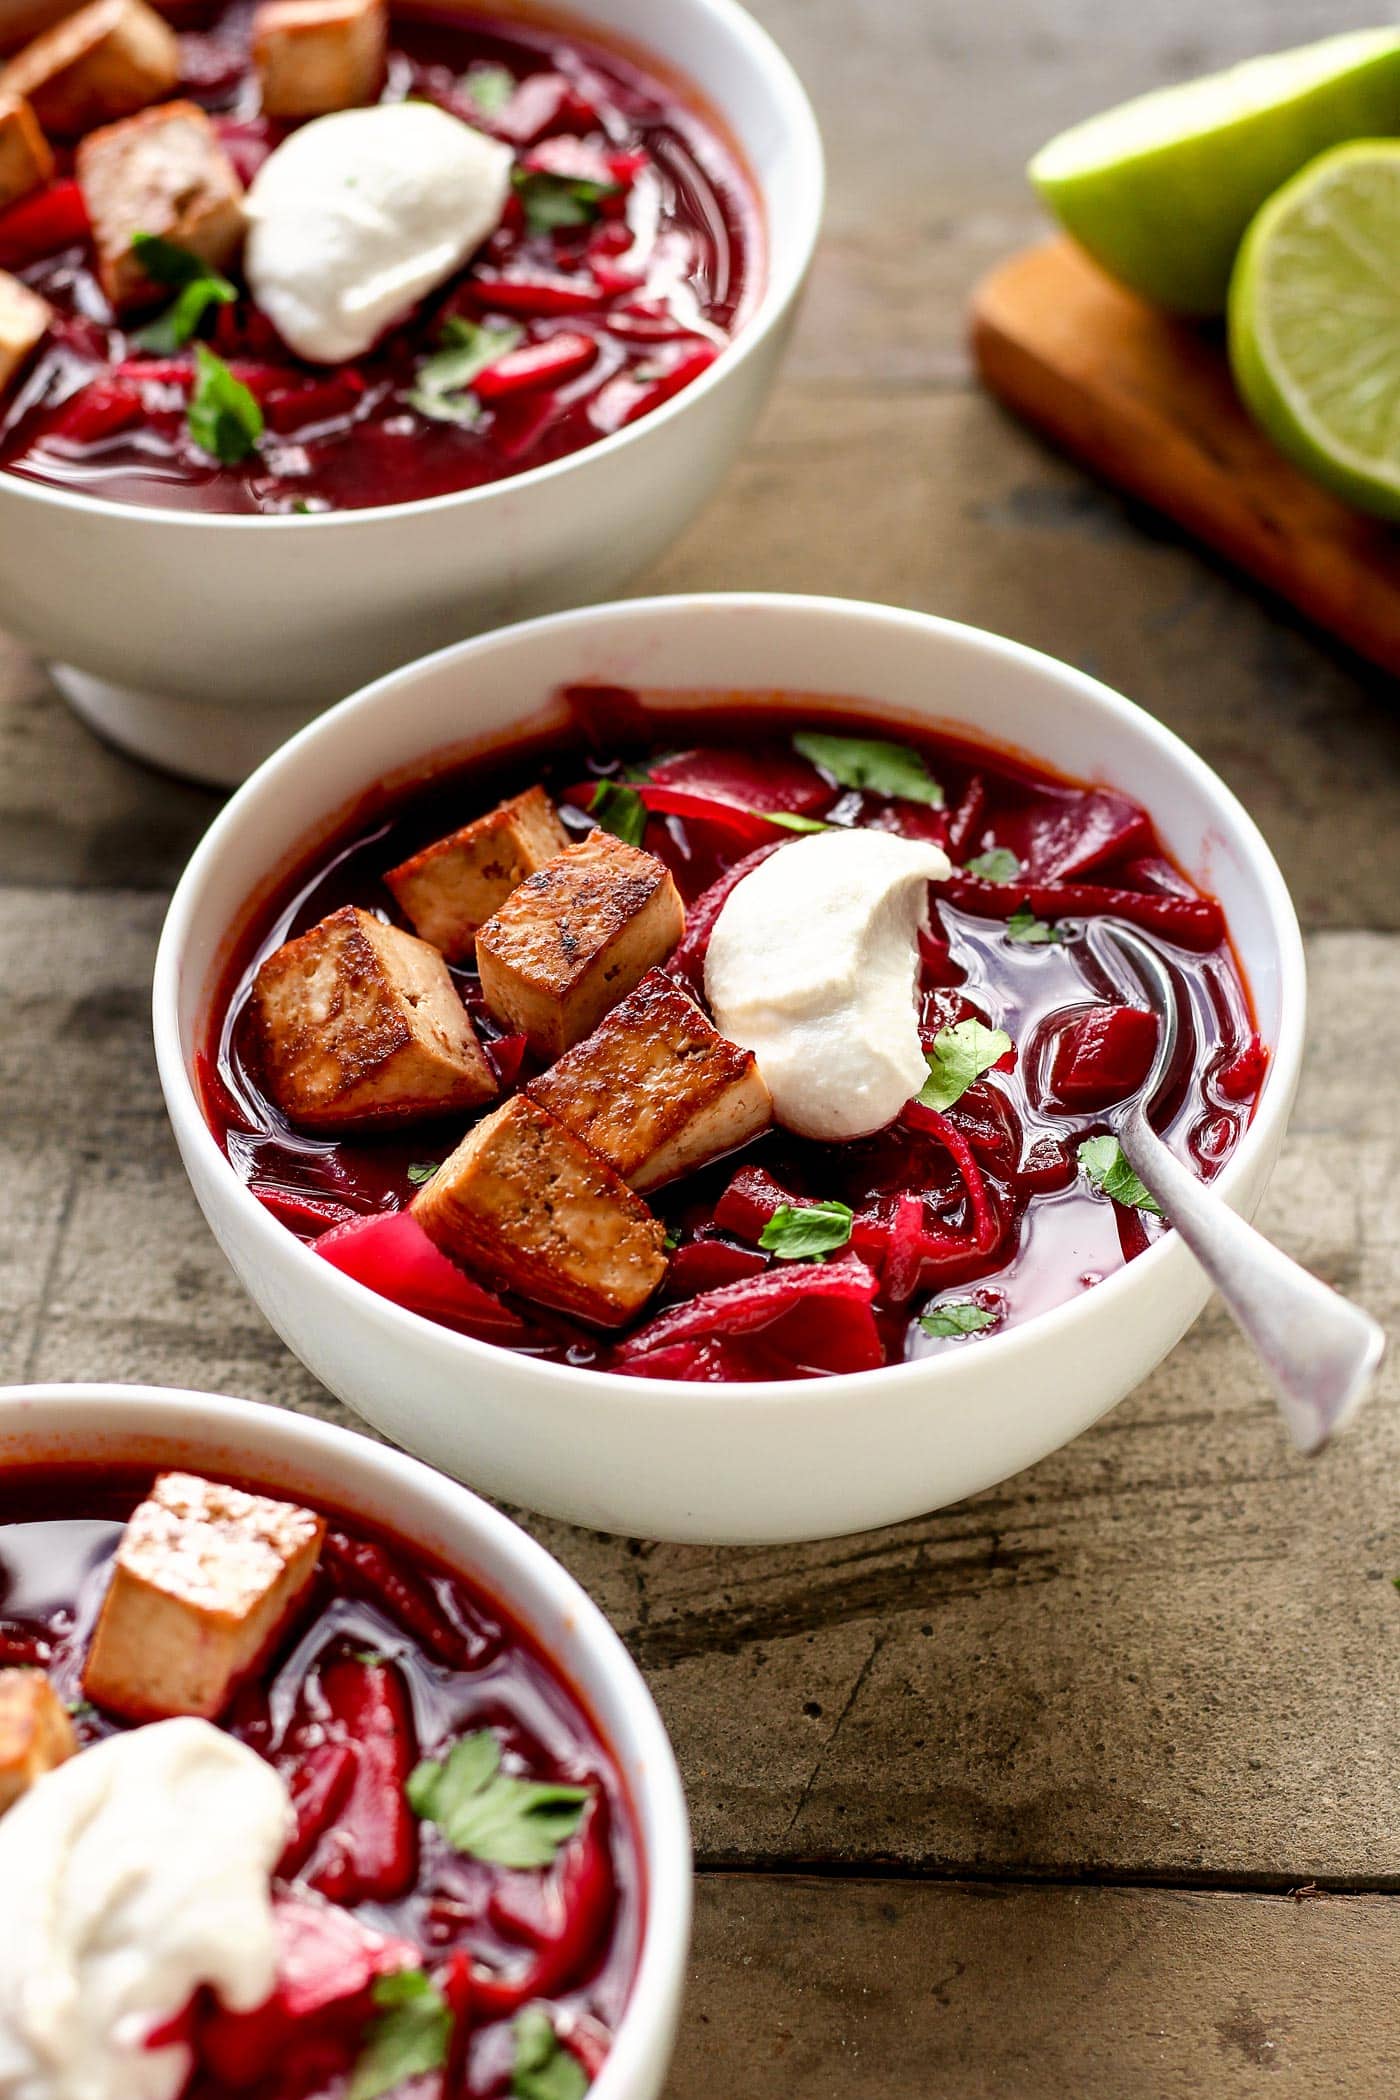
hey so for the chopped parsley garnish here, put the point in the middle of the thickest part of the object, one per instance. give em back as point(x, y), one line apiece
point(223, 416)
point(620, 810)
point(557, 203)
point(866, 762)
point(441, 384)
point(371, 1658)
point(997, 864)
point(1108, 1171)
point(543, 2068)
point(411, 2035)
point(490, 88)
point(487, 1813)
point(1024, 927)
point(799, 1232)
point(423, 1170)
point(961, 1316)
point(960, 1055)
point(196, 285)
point(789, 820)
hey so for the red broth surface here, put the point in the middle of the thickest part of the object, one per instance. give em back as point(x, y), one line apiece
point(645, 294)
point(383, 1633)
point(1006, 1220)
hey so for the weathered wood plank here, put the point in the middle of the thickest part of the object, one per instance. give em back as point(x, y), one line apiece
point(828, 1989)
point(1170, 1650)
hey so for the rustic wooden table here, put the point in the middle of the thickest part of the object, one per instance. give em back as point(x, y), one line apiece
point(1088, 1787)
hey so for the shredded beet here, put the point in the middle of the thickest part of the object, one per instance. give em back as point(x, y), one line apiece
point(1196, 922)
point(391, 1254)
point(738, 1308)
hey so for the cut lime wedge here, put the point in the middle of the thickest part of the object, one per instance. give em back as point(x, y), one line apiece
point(1315, 322)
point(1160, 190)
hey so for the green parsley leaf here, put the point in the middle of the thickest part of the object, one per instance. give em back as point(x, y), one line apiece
point(441, 382)
point(997, 864)
point(199, 287)
point(543, 2069)
point(82, 1709)
point(620, 810)
point(960, 1055)
point(671, 1241)
point(223, 417)
point(372, 1658)
point(556, 203)
point(865, 762)
point(789, 820)
point(423, 1170)
point(960, 1316)
point(1108, 1171)
point(1031, 932)
point(489, 1815)
point(490, 88)
point(411, 2035)
point(797, 1232)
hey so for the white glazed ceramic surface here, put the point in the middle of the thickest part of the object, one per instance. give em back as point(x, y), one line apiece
point(751, 1462)
point(97, 1425)
point(200, 643)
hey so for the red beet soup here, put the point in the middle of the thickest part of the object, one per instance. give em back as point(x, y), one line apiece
point(629, 254)
point(387, 1664)
point(995, 1194)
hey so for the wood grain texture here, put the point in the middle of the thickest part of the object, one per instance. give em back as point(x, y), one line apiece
point(833, 1989)
point(1149, 403)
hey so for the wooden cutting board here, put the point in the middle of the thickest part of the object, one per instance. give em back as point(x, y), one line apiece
point(1147, 402)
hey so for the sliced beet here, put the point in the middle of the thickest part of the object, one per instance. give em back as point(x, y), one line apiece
point(705, 1265)
point(740, 1308)
point(764, 779)
point(1066, 835)
point(1102, 1054)
point(392, 1255)
point(369, 1852)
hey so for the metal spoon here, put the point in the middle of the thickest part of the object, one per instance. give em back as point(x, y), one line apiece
point(1320, 1352)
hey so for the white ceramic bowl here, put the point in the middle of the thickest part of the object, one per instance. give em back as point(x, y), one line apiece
point(753, 1462)
point(200, 643)
point(99, 1425)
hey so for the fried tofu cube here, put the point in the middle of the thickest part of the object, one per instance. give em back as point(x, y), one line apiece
point(314, 56)
point(205, 1579)
point(360, 1023)
point(656, 1090)
point(35, 1732)
point(26, 162)
point(108, 60)
point(165, 173)
point(24, 322)
point(525, 1206)
point(576, 937)
point(451, 888)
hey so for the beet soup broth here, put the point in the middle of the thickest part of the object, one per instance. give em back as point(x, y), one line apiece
point(958, 1222)
point(630, 253)
point(388, 1659)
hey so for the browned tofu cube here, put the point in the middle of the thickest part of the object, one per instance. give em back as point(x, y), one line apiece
point(24, 322)
point(163, 172)
point(25, 160)
point(656, 1090)
point(360, 1023)
point(205, 1579)
point(524, 1206)
point(575, 937)
point(35, 1732)
point(314, 56)
point(451, 888)
point(108, 60)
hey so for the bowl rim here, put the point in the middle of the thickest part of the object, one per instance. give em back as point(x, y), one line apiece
point(1058, 1324)
point(647, 1767)
point(766, 60)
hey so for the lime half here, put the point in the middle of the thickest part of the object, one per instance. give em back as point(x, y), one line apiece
point(1160, 190)
point(1315, 322)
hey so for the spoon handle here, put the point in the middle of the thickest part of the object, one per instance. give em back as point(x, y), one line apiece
point(1320, 1351)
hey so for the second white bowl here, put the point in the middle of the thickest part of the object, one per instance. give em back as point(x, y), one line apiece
point(742, 1462)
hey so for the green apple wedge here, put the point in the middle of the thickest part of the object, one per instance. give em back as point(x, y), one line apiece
point(1315, 322)
point(1161, 189)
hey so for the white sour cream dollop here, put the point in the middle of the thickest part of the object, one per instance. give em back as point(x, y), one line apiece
point(358, 215)
point(813, 965)
point(131, 1875)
